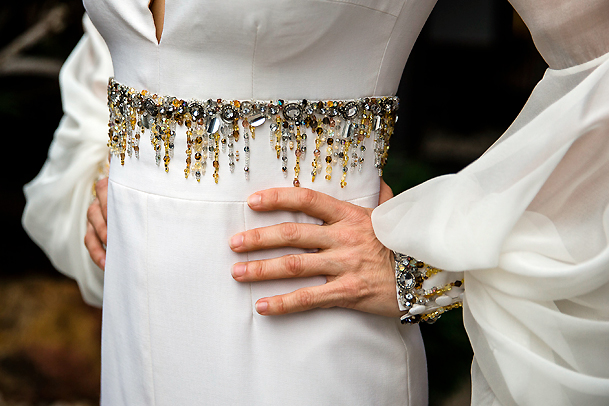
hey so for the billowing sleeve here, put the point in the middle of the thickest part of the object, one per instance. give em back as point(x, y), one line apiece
point(58, 198)
point(528, 224)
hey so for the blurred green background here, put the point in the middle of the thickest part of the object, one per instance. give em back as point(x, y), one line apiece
point(467, 78)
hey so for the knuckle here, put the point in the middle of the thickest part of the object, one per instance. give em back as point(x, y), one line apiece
point(293, 264)
point(103, 235)
point(101, 185)
point(343, 237)
point(273, 197)
point(352, 291)
point(91, 210)
point(353, 288)
point(309, 197)
point(289, 232)
point(347, 237)
point(305, 299)
point(255, 236)
point(358, 213)
point(281, 306)
point(257, 269)
point(353, 210)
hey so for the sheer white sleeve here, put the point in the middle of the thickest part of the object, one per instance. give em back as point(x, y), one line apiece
point(528, 222)
point(58, 198)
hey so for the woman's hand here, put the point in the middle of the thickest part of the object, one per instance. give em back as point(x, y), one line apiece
point(97, 230)
point(358, 268)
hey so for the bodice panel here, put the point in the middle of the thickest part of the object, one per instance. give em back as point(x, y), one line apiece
point(262, 49)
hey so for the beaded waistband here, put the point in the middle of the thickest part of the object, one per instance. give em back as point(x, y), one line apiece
point(339, 126)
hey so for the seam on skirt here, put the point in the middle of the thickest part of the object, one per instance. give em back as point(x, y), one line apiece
point(408, 387)
point(146, 269)
point(247, 255)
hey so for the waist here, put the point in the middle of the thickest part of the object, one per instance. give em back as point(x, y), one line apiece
point(225, 150)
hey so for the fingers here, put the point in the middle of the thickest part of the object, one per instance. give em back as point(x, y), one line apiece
point(308, 201)
point(97, 232)
point(346, 292)
point(300, 300)
point(95, 247)
point(98, 221)
point(282, 235)
point(287, 266)
point(101, 190)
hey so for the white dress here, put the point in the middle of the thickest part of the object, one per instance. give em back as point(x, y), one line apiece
point(528, 220)
point(177, 329)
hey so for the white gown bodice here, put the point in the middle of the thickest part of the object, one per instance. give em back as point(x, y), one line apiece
point(251, 50)
point(262, 49)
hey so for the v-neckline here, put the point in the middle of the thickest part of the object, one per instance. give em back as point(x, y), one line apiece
point(157, 10)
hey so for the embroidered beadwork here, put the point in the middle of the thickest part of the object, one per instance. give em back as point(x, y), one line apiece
point(422, 304)
point(213, 125)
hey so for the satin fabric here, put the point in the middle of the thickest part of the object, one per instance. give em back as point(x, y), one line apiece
point(528, 223)
point(177, 328)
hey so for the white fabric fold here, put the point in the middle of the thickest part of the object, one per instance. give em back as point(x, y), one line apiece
point(529, 223)
point(58, 198)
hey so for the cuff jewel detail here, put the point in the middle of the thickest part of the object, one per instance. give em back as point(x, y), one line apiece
point(420, 301)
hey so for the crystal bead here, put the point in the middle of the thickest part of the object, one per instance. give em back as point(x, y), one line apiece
point(406, 280)
point(213, 126)
point(257, 121)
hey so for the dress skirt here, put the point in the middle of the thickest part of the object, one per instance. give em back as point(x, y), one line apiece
point(179, 330)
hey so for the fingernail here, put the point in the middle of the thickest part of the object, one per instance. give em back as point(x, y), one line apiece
point(261, 307)
point(236, 241)
point(103, 263)
point(254, 200)
point(238, 270)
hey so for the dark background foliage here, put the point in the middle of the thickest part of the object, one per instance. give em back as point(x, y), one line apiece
point(469, 74)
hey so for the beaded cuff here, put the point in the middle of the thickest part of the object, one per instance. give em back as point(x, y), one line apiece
point(340, 127)
point(423, 304)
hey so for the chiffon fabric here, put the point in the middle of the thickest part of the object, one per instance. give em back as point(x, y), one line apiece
point(528, 222)
point(55, 215)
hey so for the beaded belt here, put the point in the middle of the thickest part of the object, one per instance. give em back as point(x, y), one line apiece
point(217, 125)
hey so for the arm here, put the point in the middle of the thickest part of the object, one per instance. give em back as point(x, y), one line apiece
point(58, 198)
